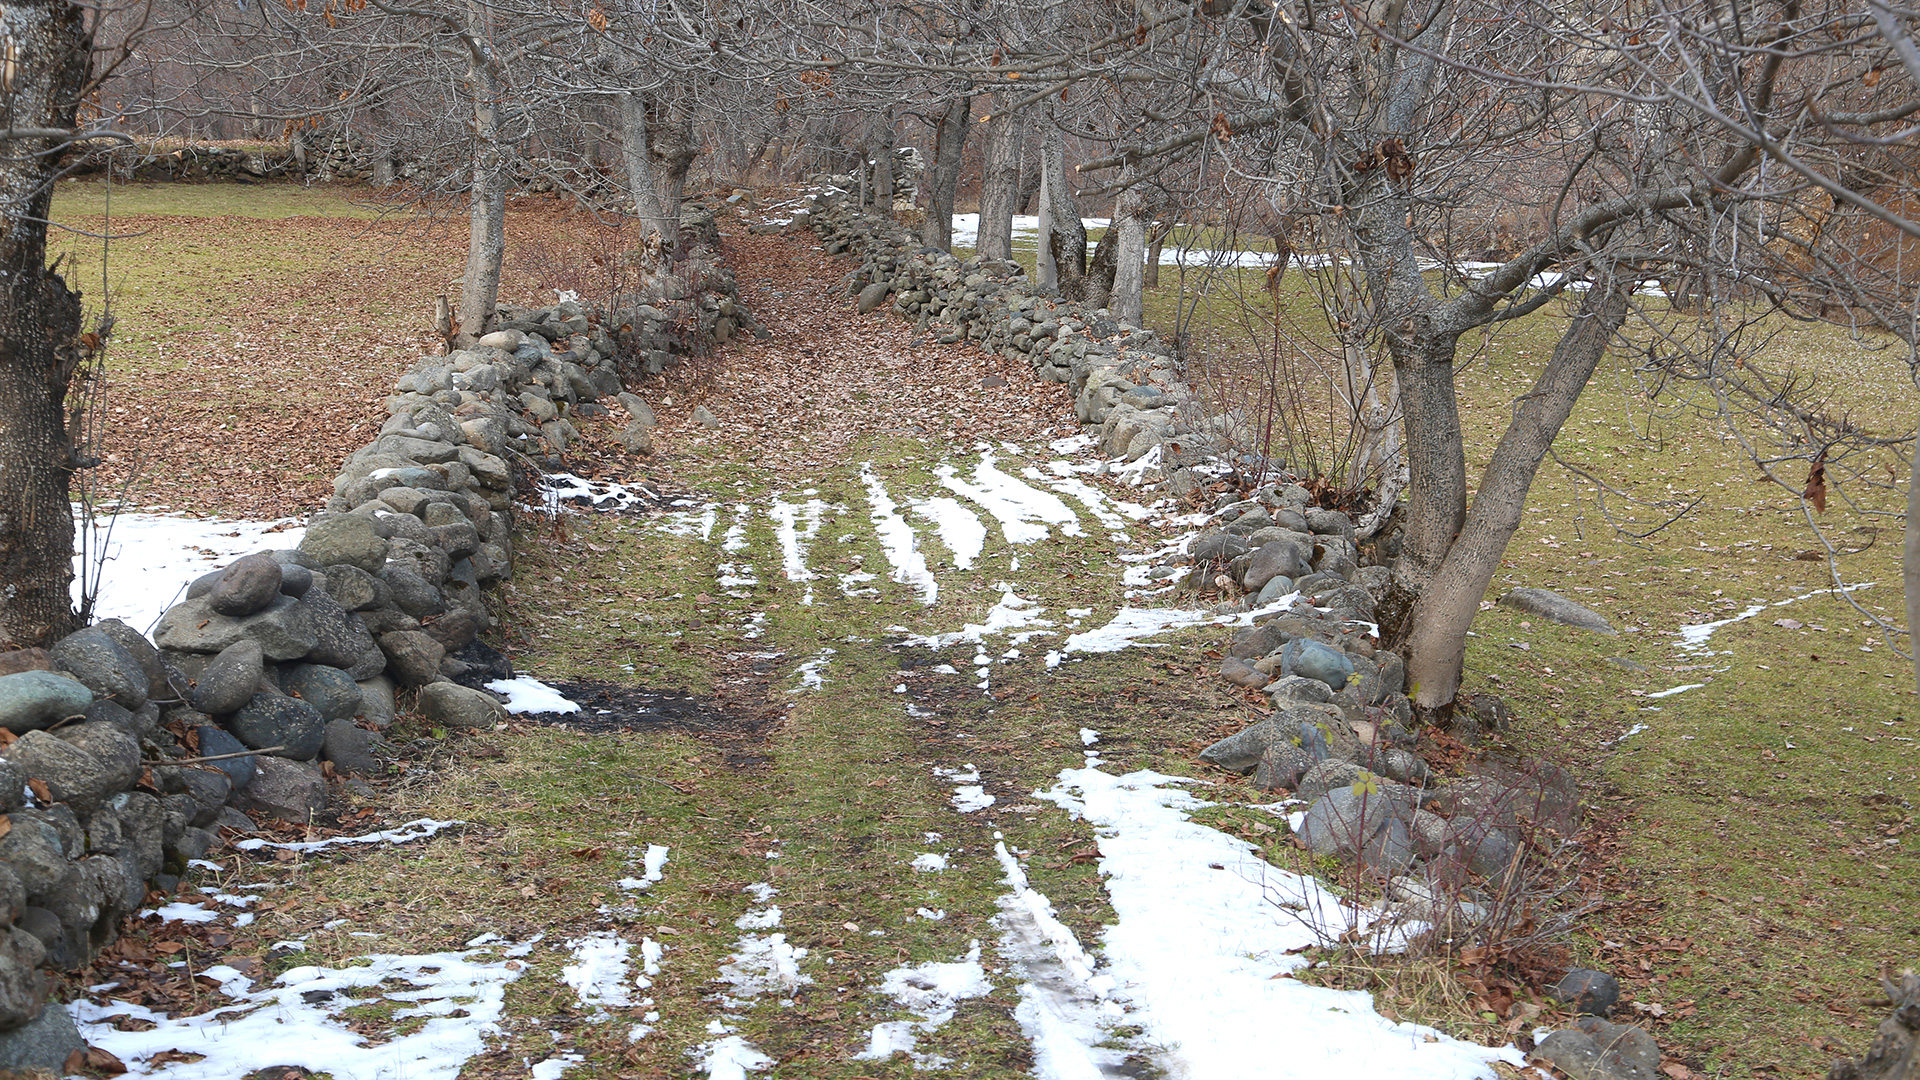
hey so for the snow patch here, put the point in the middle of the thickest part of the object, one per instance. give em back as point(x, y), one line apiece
point(418, 829)
point(526, 694)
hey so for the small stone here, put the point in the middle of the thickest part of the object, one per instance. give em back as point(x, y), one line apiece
point(376, 701)
point(245, 586)
point(104, 665)
point(705, 418)
point(873, 296)
point(1281, 767)
point(1240, 673)
point(219, 742)
point(32, 849)
point(1298, 688)
point(640, 411)
point(637, 437)
point(30, 700)
point(230, 680)
point(508, 340)
point(354, 589)
point(275, 720)
point(1597, 1050)
point(293, 791)
point(459, 706)
point(1587, 992)
point(413, 593)
point(347, 539)
point(1280, 558)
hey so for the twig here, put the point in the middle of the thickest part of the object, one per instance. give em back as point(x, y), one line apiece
point(215, 757)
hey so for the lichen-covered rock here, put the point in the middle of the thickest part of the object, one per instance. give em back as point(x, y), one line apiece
point(279, 725)
point(347, 539)
point(31, 700)
point(71, 774)
point(283, 628)
point(246, 585)
point(331, 691)
point(290, 790)
point(104, 665)
point(459, 706)
point(230, 680)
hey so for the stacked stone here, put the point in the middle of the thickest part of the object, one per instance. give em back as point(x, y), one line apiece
point(1124, 379)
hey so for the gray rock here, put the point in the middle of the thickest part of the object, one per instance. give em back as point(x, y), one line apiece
point(1242, 752)
point(1553, 607)
point(339, 637)
point(216, 742)
point(376, 701)
point(141, 650)
point(705, 418)
point(350, 748)
point(1400, 765)
point(101, 663)
point(230, 680)
point(1298, 688)
point(1275, 588)
point(45, 1042)
point(873, 296)
point(1587, 992)
point(1240, 673)
point(1255, 641)
point(116, 749)
point(283, 628)
point(295, 579)
point(292, 791)
point(270, 720)
point(1594, 1049)
point(637, 438)
point(32, 849)
point(209, 788)
point(1361, 823)
point(332, 692)
point(413, 593)
point(1210, 548)
point(1313, 660)
point(641, 412)
point(1332, 773)
point(13, 782)
point(347, 539)
point(72, 775)
point(1329, 523)
point(1281, 766)
point(367, 664)
point(1277, 559)
point(354, 589)
point(413, 657)
point(245, 586)
point(459, 706)
point(13, 895)
point(30, 700)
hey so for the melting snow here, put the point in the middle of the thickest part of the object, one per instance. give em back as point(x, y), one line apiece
point(418, 829)
point(150, 559)
point(526, 694)
point(897, 539)
point(794, 526)
point(959, 528)
point(599, 972)
point(1024, 512)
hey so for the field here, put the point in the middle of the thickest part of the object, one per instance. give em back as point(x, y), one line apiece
point(1754, 861)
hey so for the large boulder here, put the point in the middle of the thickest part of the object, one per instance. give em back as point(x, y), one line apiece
point(1364, 824)
point(283, 628)
point(346, 539)
point(104, 665)
point(275, 720)
point(246, 585)
point(292, 791)
point(1553, 607)
point(458, 706)
point(31, 700)
point(72, 774)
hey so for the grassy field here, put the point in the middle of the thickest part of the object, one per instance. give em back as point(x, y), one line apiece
point(1756, 861)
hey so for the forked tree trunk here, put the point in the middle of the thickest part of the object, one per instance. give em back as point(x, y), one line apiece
point(949, 139)
point(1000, 182)
point(658, 149)
point(1096, 287)
point(1129, 256)
point(1156, 243)
point(1436, 648)
point(487, 199)
point(48, 47)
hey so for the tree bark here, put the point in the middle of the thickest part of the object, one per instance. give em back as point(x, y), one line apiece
point(1129, 256)
point(949, 139)
point(880, 146)
point(658, 148)
point(487, 199)
point(49, 49)
point(1156, 242)
point(1436, 648)
point(1000, 182)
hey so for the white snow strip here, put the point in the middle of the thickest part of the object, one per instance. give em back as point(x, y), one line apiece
point(418, 829)
point(1113, 513)
point(763, 965)
point(146, 561)
point(794, 526)
point(297, 1020)
point(809, 672)
point(760, 918)
point(182, 912)
point(1024, 512)
point(603, 495)
point(1693, 638)
point(654, 862)
point(555, 1067)
point(898, 541)
point(1130, 625)
point(731, 1058)
point(526, 694)
point(1682, 688)
point(959, 528)
point(930, 990)
point(1205, 928)
point(970, 797)
point(1011, 614)
point(928, 862)
point(599, 972)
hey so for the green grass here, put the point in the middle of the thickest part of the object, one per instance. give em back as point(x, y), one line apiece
point(94, 197)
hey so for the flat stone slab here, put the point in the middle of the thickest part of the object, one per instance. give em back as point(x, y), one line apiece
point(1553, 607)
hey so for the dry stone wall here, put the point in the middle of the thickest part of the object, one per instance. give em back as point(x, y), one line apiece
point(122, 756)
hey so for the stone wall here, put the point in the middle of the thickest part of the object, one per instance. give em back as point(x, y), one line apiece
point(267, 688)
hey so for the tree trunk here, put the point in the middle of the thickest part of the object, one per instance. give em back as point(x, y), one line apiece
point(1000, 182)
point(949, 139)
point(1062, 235)
point(1097, 286)
point(49, 51)
point(1436, 648)
point(487, 201)
point(1129, 256)
point(880, 145)
point(1156, 242)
